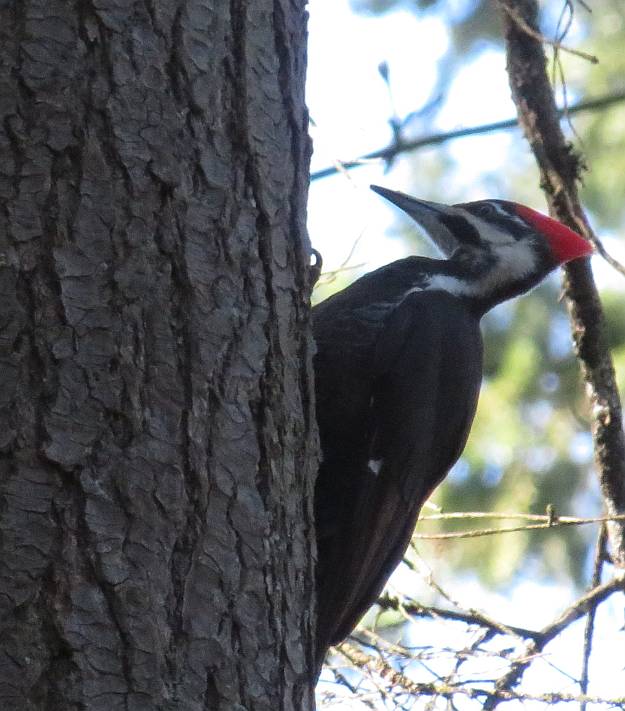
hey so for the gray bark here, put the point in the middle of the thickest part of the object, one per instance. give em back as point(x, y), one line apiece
point(157, 438)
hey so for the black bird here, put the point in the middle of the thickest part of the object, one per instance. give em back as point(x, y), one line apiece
point(398, 371)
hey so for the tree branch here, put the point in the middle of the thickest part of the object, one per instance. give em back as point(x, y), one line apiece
point(590, 619)
point(560, 169)
point(578, 609)
point(400, 146)
point(469, 617)
point(368, 663)
point(548, 523)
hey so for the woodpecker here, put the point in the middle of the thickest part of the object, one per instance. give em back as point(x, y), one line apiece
point(398, 370)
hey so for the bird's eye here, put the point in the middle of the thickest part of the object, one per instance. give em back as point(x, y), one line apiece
point(486, 210)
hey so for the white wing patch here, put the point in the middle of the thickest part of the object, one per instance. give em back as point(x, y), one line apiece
point(375, 465)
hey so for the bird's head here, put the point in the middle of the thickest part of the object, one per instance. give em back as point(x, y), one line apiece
point(506, 248)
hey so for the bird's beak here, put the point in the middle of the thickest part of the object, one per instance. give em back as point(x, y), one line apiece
point(430, 215)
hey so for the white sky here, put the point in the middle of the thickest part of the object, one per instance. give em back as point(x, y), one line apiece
point(350, 106)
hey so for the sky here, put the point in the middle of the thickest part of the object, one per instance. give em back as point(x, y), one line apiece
point(350, 105)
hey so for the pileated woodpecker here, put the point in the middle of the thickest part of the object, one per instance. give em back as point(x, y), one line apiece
point(398, 371)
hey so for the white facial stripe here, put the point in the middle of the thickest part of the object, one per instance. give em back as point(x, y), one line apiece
point(507, 215)
point(498, 208)
point(514, 262)
point(489, 232)
point(508, 260)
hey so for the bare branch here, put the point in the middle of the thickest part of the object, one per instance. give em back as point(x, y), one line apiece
point(470, 617)
point(553, 522)
point(368, 664)
point(590, 619)
point(383, 669)
point(404, 146)
point(551, 517)
point(578, 609)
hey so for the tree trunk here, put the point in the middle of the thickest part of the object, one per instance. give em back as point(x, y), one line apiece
point(157, 438)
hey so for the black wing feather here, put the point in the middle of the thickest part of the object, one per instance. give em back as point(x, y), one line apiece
point(422, 390)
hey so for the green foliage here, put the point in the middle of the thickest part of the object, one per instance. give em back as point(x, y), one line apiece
point(603, 132)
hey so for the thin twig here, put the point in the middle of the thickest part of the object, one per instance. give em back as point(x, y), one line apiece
point(520, 21)
point(428, 576)
point(607, 257)
point(551, 518)
point(368, 664)
point(501, 690)
point(329, 276)
point(469, 617)
point(590, 619)
point(425, 572)
point(344, 681)
point(579, 608)
point(555, 523)
point(558, 69)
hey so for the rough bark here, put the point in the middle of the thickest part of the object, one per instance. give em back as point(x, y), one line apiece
point(560, 169)
point(157, 441)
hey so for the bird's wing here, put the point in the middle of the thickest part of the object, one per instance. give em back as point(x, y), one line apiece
point(428, 368)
